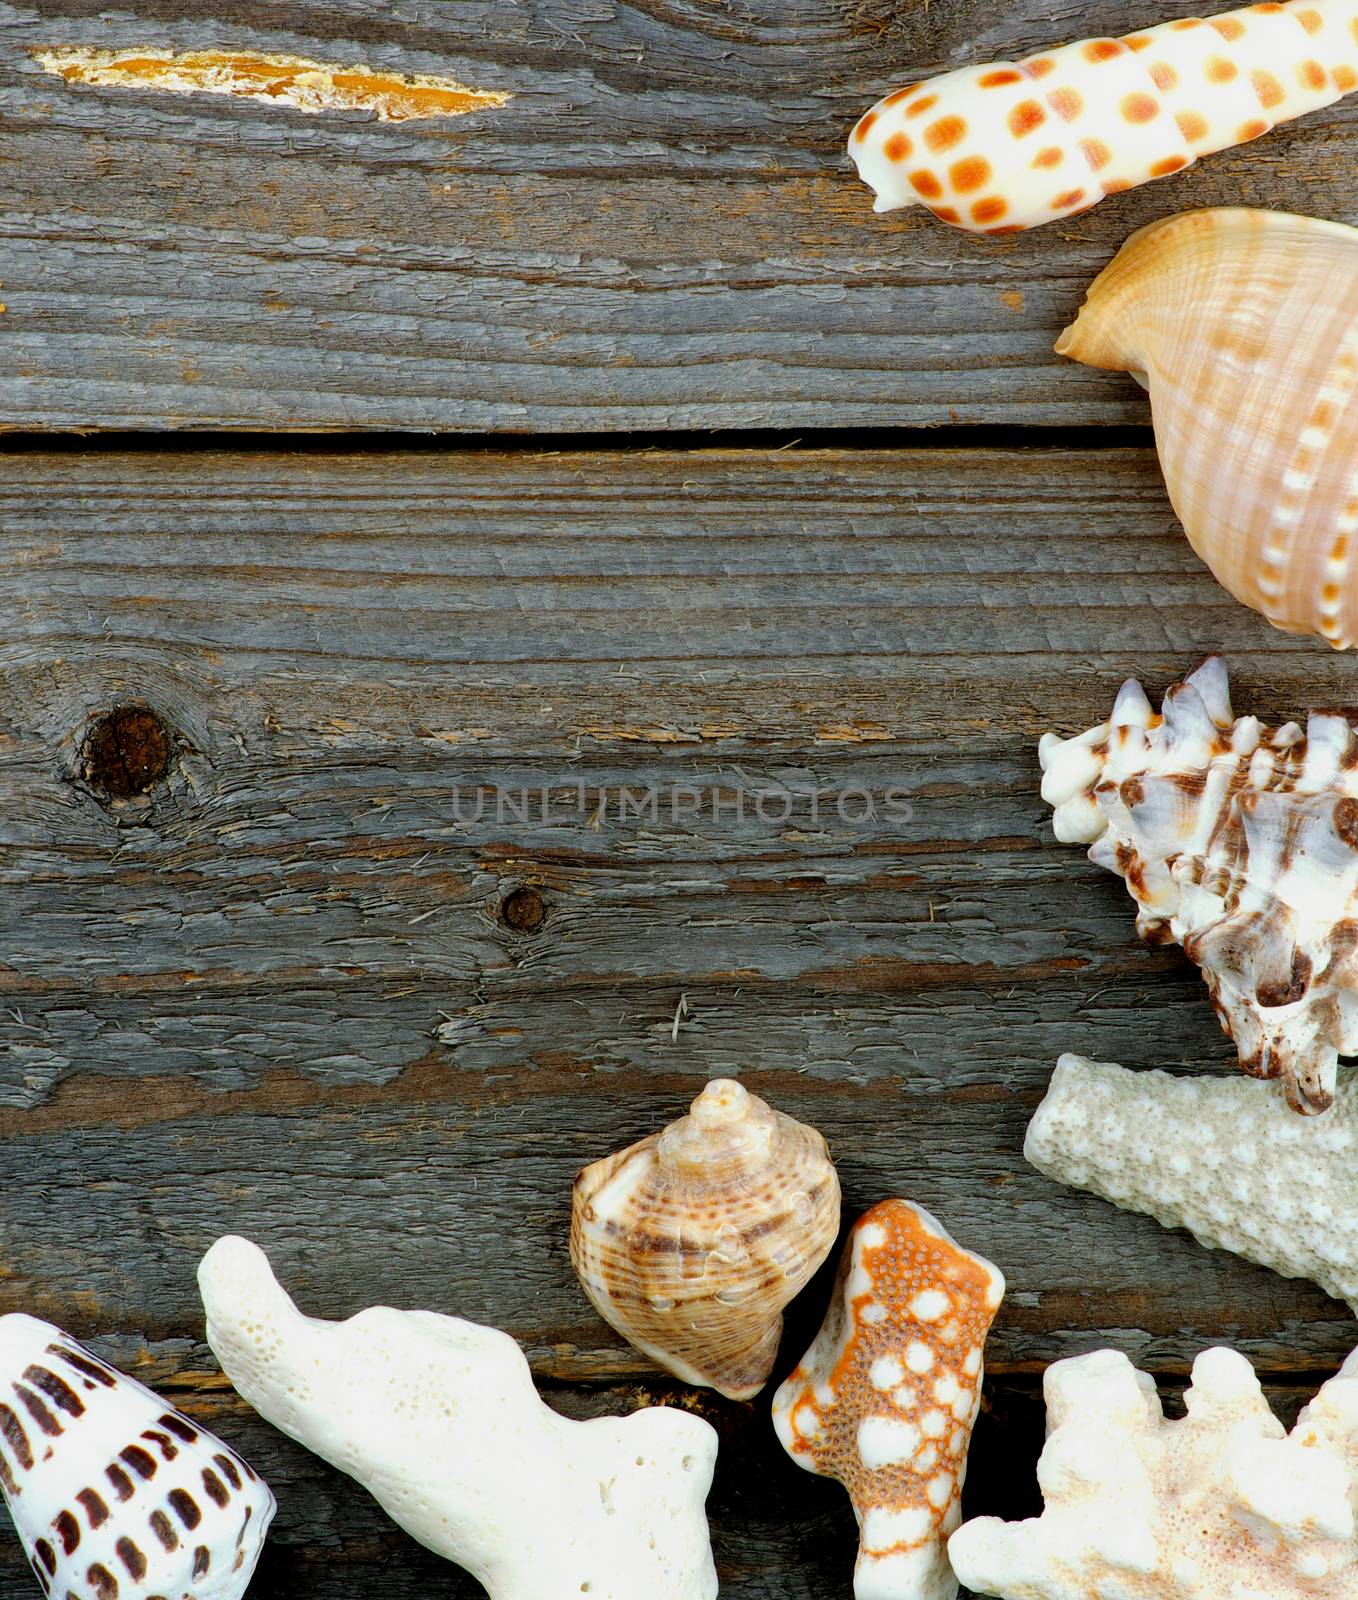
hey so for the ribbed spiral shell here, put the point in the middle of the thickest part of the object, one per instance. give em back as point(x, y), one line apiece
point(691, 1242)
point(1244, 327)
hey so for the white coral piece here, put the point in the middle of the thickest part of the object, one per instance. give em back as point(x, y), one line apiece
point(1222, 1157)
point(1222, 1505)
point(1239, 842)
point(439, 1420)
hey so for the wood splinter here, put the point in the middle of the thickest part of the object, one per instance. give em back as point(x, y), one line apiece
point(310, 86)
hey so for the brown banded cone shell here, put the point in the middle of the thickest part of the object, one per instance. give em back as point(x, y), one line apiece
point(691, 1242)
point(1243, 325)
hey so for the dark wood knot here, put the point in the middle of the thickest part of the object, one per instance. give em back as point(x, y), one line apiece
point(524, 910)
point(126, 752)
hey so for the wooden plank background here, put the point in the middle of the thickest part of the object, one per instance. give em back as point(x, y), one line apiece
point(659, 230)
point(300, 988)
point(279, 995)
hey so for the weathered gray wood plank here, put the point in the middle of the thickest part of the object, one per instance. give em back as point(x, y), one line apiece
point(659, 230)
point(287, 991)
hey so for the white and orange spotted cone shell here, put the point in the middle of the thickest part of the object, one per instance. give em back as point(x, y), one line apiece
point(691, 1242)
point(1011, 145)
point(115, 1495)
point(886, 1397)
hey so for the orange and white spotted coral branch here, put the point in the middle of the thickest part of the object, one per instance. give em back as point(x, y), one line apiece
point(886, 1397)
point(1010, 145)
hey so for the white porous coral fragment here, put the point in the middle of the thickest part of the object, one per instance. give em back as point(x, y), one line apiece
point(1221, 1505)
point(886, 1397)
point(1222, 1157)
point(439, 1420)
point(1239, 842)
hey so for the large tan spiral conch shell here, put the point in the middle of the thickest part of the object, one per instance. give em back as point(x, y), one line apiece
point(1009, 145)
point(1244, 327)
point(691, 1242)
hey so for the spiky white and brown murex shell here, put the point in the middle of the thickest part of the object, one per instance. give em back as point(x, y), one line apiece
point(1238, 841)
point(114, 1494)
point(691, 1242)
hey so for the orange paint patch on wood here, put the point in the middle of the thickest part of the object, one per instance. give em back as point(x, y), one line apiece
point(897, 147)
point(969, 175)
point(1267, 87)
point(1066, 103)
point(1140, 108)
point(310, 86)
point(1013, 298)
point(945, 133)
point(1026, 116)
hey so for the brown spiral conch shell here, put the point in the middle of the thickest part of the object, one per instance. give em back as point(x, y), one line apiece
point(691, 1242)
point(1243, 325)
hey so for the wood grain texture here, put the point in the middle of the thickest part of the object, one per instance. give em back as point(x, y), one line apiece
point(660, 229)
point(278, 993)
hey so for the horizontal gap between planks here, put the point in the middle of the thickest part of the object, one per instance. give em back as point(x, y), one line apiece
point(754, 439)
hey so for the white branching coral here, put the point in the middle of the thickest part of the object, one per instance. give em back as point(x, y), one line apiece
point(1221, 1505)
point(1239, 842)
point(1223, 1157)
point(439, 1420)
